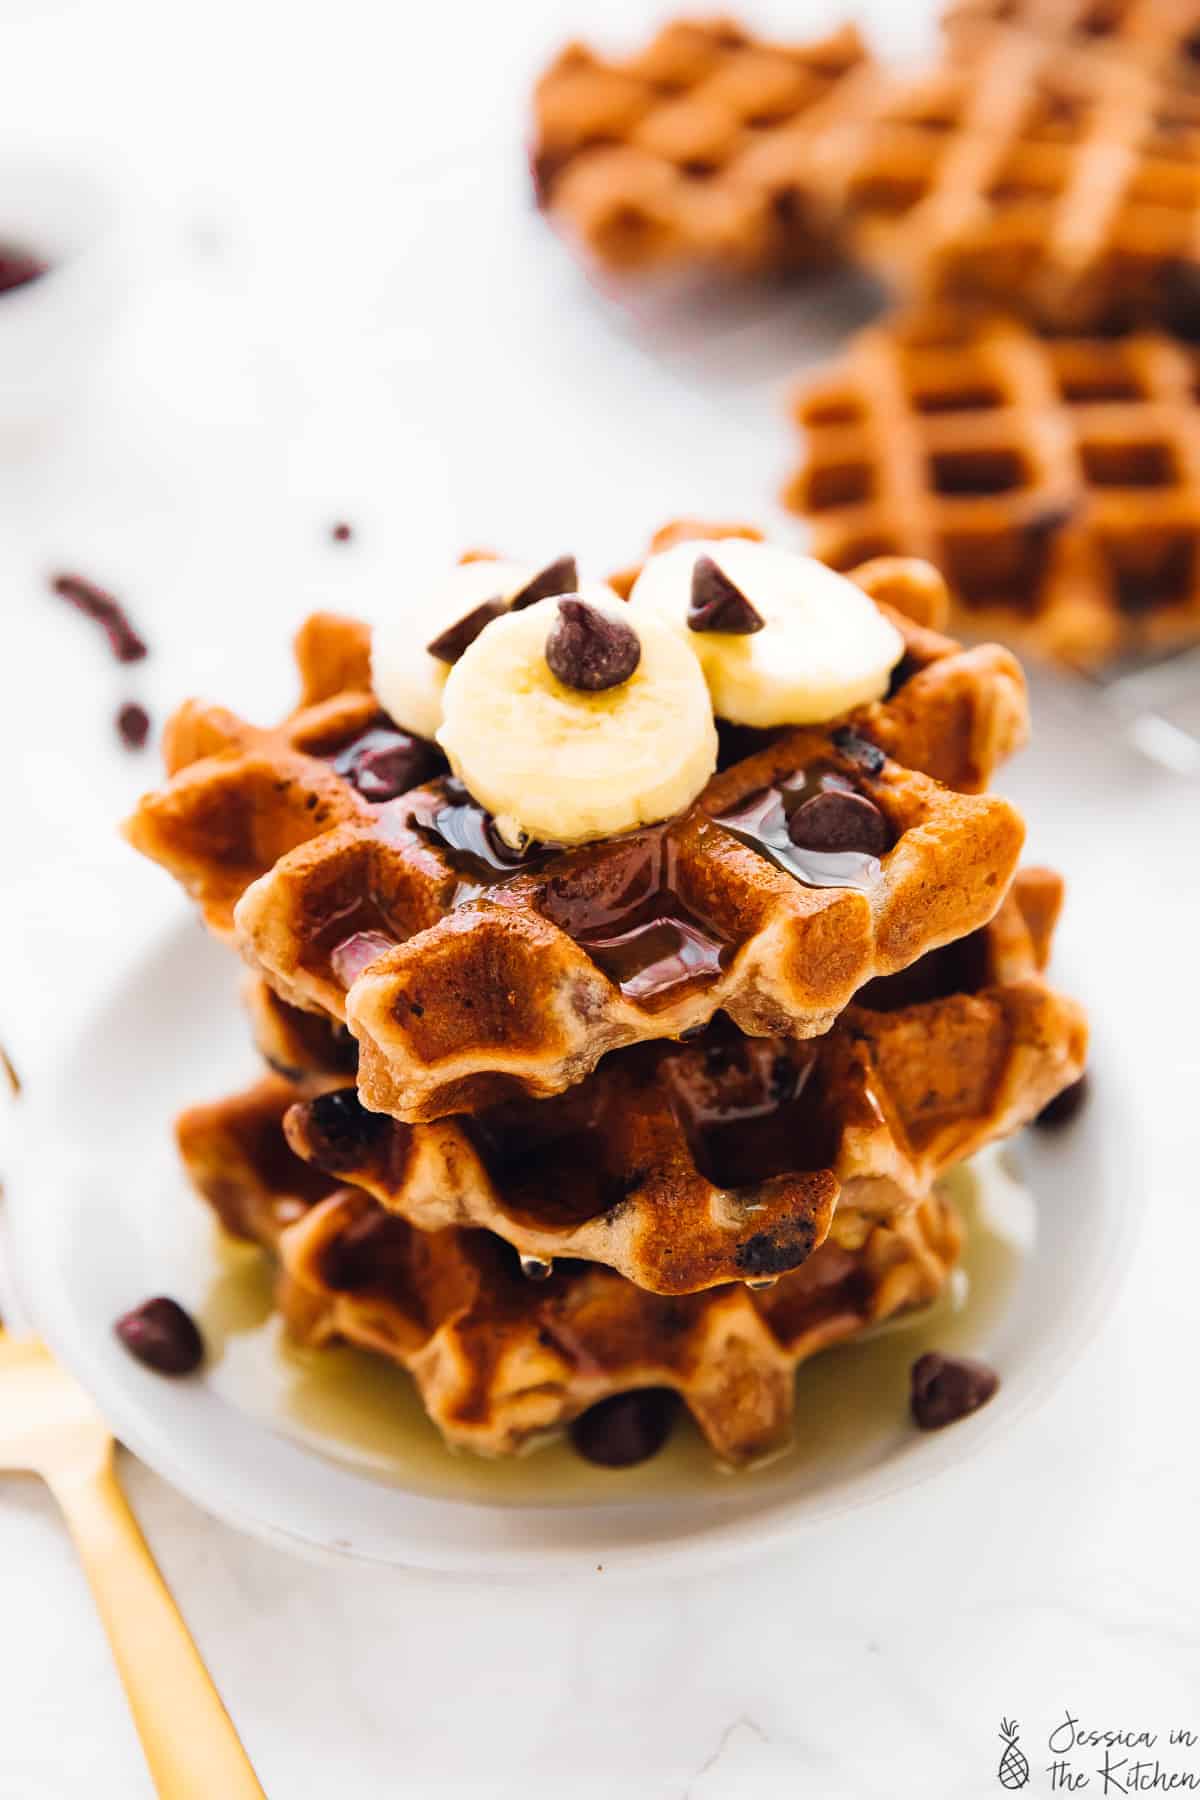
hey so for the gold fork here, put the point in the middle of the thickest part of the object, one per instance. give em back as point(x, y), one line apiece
point(50, 1427)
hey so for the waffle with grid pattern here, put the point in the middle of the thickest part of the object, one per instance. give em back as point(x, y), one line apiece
point(501, 1361)
point(475, 976)
point(516, 976)
point(687, 1165)
point(1054, 480)
point(1162, 36)
point(694, 151)
point(1062, 183)
point(240, 795)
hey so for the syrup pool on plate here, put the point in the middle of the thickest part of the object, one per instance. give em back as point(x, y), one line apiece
point(851, 1401)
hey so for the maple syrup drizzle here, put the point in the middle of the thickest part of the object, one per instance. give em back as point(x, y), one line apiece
point(752, 1108)
point(761, 822)
point(619, 902)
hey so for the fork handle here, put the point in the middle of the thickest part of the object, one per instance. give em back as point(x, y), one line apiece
point(188, 1738)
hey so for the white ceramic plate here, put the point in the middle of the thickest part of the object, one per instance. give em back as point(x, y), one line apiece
point(330, 1453)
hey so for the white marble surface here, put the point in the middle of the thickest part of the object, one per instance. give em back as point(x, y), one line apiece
point(339, 304)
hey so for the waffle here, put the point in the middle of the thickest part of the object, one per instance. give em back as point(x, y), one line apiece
point(500, 1361)
point(309, 1049)
point(1161, 36)
point(1055, 481)
point(1060, 182)
point(693, 152)
point(241, 795)
point(237, 1157)
point(491, 991)
point(684, 1166)
point(508, 981)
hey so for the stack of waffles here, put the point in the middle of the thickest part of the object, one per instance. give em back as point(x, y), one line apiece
point(1032, 197)
point(576, 1135)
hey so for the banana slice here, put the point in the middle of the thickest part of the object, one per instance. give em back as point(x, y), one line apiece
point(782, 639)
point(409, 679)
point(570, 763)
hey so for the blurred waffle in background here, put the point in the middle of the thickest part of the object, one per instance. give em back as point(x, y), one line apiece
point(694, 150)
point(1030, 196)
point(1055, 480)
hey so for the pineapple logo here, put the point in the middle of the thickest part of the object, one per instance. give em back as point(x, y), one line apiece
point(1014, 1769)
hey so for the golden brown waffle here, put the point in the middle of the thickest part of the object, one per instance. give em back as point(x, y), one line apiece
point(309, 1049)
point(1055, 481)
point(240, 795)
point(1162, 36)
point(1063, 183)
point(510, 980)
point(492, 995)
point(695, 151)
point(501, 1361)
point(687, 1165)
point(237, 1157)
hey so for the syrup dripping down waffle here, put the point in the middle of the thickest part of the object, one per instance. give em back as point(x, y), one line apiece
point(501, 1361)
point(519, 989)
point(688, 1165)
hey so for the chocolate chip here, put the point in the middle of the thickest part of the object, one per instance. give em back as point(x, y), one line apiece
point(1065, 1106)
point(94, 603)
point(17, 267)
point(626, 1429)
point(163, 1336)
point(590, 650)
point(868, 756)
point(133, 725)
point(947, 1388)
point(451, 643)
point(718, 604)
point(1190, 46)
point(836, 821)
point(338, 1131)
point(384, 763)
point(764, 1254)
point(561, 577)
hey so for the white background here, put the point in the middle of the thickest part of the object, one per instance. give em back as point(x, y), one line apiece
point(337, 302)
